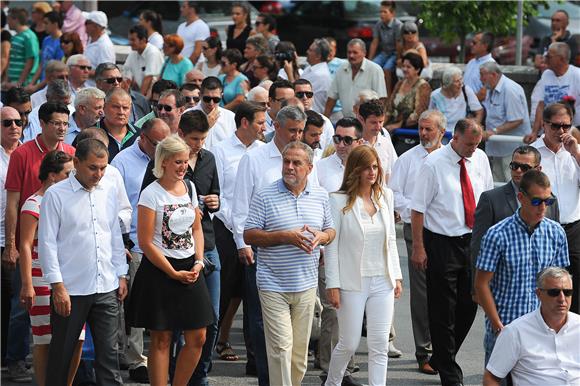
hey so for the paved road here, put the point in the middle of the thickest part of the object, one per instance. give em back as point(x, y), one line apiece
point(401, 371)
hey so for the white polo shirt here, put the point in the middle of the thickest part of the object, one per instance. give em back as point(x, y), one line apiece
point(196, 31)
point(138, 66)
point(100, 51)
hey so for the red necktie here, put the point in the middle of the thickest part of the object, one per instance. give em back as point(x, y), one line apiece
point(467, 194)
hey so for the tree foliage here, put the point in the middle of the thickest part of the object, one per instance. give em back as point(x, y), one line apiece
point(453, 20)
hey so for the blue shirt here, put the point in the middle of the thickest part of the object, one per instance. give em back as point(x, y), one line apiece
point(132, 164)
point(516, 256)
point(286, 268)
point(471, 76)
point(176, 71)
point(50, 51)
point(232, 89)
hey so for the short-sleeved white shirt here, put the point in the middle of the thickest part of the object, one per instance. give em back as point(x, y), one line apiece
point(174, 217)
point(156, 39)
point(138, 66)
point(198, 30)
point(454, 109)
point(101, 51)
point(552, 88)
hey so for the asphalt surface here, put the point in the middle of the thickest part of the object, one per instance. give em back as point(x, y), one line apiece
point(401, 371)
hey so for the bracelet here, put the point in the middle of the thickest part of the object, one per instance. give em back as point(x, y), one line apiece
point(200, 262)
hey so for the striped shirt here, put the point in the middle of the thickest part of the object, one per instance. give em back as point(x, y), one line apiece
point(23, 46)
point(516, 256)
point(286, 268)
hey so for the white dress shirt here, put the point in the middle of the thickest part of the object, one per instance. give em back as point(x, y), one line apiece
point(402, 181)
point(113, 178)
point(227, 155)
point(100, 51)
point(330, 172)
point(564, 174)
point(224, 127)
point(269, 124)
point(386, 150)
point(327, 132)
point(437, 192)
point(535, 354)
point(79, 239)
point(319, 77)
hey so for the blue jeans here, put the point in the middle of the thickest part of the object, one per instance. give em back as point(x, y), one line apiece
point(386, 61)
point(18, 342)
point(256, 325)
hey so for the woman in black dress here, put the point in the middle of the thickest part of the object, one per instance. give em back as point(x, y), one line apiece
point(239, 32)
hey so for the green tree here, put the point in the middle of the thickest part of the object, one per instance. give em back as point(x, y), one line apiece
point(452, 20)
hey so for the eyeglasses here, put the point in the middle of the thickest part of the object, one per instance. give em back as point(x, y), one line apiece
point(537, 201)
point(523, 167)
point(58, 123)
point(557, 126)
point(162, 107)
point(208, 99)
point(190, 99)
point(85, 68)
point(346, 139)
point(409, 32)
point(113, 80)
point(302, 94)
point(555, 292)
point(8, 122)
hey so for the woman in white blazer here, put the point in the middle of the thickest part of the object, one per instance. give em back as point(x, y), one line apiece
point(362, 265)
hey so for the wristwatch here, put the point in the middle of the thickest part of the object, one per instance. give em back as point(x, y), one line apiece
point(200, 262)
point(126, 277)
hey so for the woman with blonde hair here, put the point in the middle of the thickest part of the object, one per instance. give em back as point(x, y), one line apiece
point(169, 292)
point(362, 264)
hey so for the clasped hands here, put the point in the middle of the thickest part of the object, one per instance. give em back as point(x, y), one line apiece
point(306, 238)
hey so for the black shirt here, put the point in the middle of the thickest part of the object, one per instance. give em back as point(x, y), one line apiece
point(205, 179)
point(238, 42)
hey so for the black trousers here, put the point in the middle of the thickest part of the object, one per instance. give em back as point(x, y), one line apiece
point(101, 311)
point(573, 237)
point(451, 309)
point(6, 280)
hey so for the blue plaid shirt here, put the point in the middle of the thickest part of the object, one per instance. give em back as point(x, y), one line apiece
point(517, 256)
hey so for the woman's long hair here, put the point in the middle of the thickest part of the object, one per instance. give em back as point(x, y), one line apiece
point(358, 160)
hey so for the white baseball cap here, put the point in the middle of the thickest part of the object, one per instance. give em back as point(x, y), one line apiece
point(97, 17)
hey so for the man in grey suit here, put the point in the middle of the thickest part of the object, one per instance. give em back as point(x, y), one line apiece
point(499, 203)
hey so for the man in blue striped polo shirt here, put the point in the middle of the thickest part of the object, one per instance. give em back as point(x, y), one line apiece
point(513, 252)
point(288, 220)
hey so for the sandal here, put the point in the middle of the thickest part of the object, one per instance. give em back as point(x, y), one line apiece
point(225, 351)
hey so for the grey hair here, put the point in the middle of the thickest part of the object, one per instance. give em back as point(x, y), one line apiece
point(107, 66)
point(167, 148)
point(54, 66)
point(551, 272)
point(357, 41)
point(75, 59)
point(117, 91)
point(301, 146)
point(293, 113)
point(562, 49)
point(58, 88)
point(449, 74)
point(85, 96)
point(367, 95)
point(322, 48)
point(438, 115)
point(491, 67)
point(255, 92)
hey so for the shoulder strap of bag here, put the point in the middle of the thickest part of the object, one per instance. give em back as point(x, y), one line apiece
point(467, 109)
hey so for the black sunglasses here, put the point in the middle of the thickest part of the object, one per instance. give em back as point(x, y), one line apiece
point(523, 167)
point(555, 292)
point(113, 80)
point(558, 126)
point(8, 122)
point(162, 107)
point(301, 94)
point(208, 99)
point(86, 68)
point(346, 139)
point(409, 32)
point(190, 99)
point(259, 22)
point(536, 201)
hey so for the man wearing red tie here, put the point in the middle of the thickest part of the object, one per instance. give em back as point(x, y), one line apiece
point(443, 209)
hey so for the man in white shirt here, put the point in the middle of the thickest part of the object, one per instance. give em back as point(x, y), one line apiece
point(432, 126)
point(100, 48)
point(372, 116)
point(259, 168)
point(79, 69)
point(193, 31)
point(143, 65)
point(540, 348)
point(352, 77)
point(89, 286)
point(506, 114)
point(280, 91)
point(317, 72)
point(446, 192)
point(561, 162)
point(89, 105)
point(225, 125)
point(481, 46)
point(559, 80)
point(303, 91)
point(250, 121)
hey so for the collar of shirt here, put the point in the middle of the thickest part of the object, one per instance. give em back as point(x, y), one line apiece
point(283, 189)
point(484, 58)
point(42, 146)
point(526, 227)
point(72, 125)
point(137, 150)
point(76, 185)
point(455, 157)
point(540, 143)
point(500, 85)
point(363, 66)
point(337, 160)
point(542, 323)
point(273, 151)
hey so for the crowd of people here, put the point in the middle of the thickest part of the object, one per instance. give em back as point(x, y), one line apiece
point(160, 194)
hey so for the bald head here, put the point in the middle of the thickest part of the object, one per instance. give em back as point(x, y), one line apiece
point(258, 94)
point(195, 77)
point(8, 112)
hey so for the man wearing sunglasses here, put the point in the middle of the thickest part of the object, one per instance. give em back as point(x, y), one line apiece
point(79, 69)
point(541, 347)
point(170, 107)
point(303, 90)
point(513, 252)
point(19, 99)
point(561, 162)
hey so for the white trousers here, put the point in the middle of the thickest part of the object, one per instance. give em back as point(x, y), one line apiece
point(377, 299)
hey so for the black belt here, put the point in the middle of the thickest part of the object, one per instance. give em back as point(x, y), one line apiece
point(464, 237)
point(570, 224)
